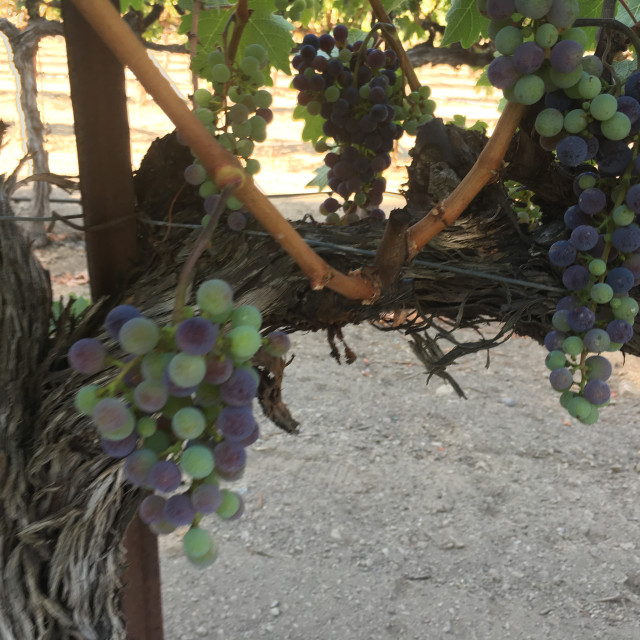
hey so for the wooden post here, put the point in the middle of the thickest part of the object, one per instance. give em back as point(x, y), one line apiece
point(108, 201)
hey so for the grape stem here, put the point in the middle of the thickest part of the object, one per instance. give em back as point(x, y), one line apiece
point(484, 171)
point(391, 36)
point(240, 18)
point(193, 42)
point(613, 24)
point(184, 279)
point(219, 163)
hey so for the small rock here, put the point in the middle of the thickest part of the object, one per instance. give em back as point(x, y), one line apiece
point(275, 611)
point(201, 631)
point(510, 402)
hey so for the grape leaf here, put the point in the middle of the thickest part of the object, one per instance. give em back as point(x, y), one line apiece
point(464, 24)
point(623, 16)
point(322, 178)
point(312, 130)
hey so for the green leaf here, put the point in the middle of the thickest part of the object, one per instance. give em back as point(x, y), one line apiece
point(136, 5)
point(464, 24)
point(624, 68)
point(623, 16)
point(321, 180)
point(312, 130)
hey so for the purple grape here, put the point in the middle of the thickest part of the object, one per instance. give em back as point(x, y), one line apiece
point(502, 73)
point(178, 510)
point(119, 448)
point(340, 33)
point(500, 9)
point(230, 458)
point(572, 151)
point(575, 278)
point(626, 239)
point(620, 331)
point(554, 339)
point(566, 56)
point(613, 157)
point(620, 279)
point(326, 43)
point(597, 391)
point(87, 355)
point(313, 40)
point(598, 367)
point(596, 340)
point(137, 466)
point(633, 264)
point(278, 343)
point(633, 198)
point(236, 221)
point(206, 498)
point(196, 336)
point(165, 476)
point(632, 85)
point(252, 437)
point(219, 369)
point(236, 423)
point(240, 389)
point(567, 303)
point(528, 57)
point(584, 237)
point(581, 319)
point(561, 379)
point(376, 59)
point(630, 107)
point(592, 201)
point(574, 217)
point(151, 510)
point(150, 395)
point(558, 100)
point(562, 253)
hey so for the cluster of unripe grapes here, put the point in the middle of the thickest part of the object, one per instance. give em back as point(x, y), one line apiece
point(236, 113)
point(359, 93)
point(179, 411)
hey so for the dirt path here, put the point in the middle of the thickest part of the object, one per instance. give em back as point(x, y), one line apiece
point(399, 511)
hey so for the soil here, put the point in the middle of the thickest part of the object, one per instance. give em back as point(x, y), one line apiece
point(399, 511)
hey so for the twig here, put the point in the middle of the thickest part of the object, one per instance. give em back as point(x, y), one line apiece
point(482, 173)
point(240, 19)
point(394, 42)
point(219, 163)
point(193, 41)
point(613, 24)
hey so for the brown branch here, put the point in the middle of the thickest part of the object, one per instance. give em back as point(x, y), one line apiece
point(394, 42)
point(219, 163)
point(193, 41)
point(482, 173)
point(240, 19)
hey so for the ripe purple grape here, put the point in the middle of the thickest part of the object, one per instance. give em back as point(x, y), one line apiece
point(179, 511)
point(240, 389)
point(151, 509)
point(196, 336)
point(554, 339)
point(562, 253)
point(592, 201)
point(87, 355)
point(620, 280)
point(119, 448)
point(528, 57)
point(236, 423)
point(572, 151)
point(561, 379)
point(575, 278)
point(206, 498)
point(584, 237)
point(581, 319)
point(230, 458)
point(598, 367)
point(566, 56)
point(626, 239)
point(597, 392)
point(118, 316)
point(165, 476)
point(620, 331)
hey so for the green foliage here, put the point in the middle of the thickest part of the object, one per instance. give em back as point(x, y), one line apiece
point(136, 5)
point(77, 305)
point(461, 121)
point(322, 178)
point(312, 130)
point(464, 24)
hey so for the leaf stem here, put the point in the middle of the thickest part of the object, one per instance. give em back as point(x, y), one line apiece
point(484, 171)
point(219, 163)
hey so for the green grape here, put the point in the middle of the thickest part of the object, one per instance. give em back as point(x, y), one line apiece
point(220, 73)
point(507, 40)
point(494, 27)
point(139, 336)
point(332, 93)
point(559, 322)
point(546, 35)
point(528, 89)
point(208, 188)
point(256, 51)
point(601, 292)
point(250, 65)
point(572, 345)
point(321, 146)
point(123, 432)
point(186, 370)
point(146, 426)
point(230, 504)
point(202, 97)
point(429, 107)
point(411, 126)
point(174, 404)
point(587, 181)
point(153, 365)
point(233, 203)
point(206, 116)
point(215, 298)
point(188, 423)
point(236, 94)
point(263, 99)
point(252, 166)
point(593, 65)
point(242, 129)
point(246, 314)
point(574, 91)
point(344, 55)
point(589, 86)
point(257, 78)
point(617, 127)
point(623, 216)
point(555, 360)
point(565, 80)
point(593, 416)
point(549, 122)
point(244, 148)
point(597, 267)
point(244, 341)
point(215, 57)
point(575, 121)
point(314, 107)
point(603, 106)
point(281, 5)
point(566, 397)
point(625, 309)
point(197, 542)
point(364, 92)
point(197, 461)
point(157, 442)
point(360, 198)
point(86, 399)
point(424, 91)
point(227, 141)
point(579, 407)
point(577, 35)
point(238, 113)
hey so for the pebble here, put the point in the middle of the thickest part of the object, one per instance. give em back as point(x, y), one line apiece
point(510, 402)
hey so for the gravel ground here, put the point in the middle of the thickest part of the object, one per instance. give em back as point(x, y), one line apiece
point(401, 511)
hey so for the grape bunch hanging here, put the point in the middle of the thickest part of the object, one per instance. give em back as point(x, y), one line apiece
point(359, 93)
point(179, 412)
point(591, 123)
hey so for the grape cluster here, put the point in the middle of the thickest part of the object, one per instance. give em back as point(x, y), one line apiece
point(358, 92)
point(179, 412)
point(236, 114)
